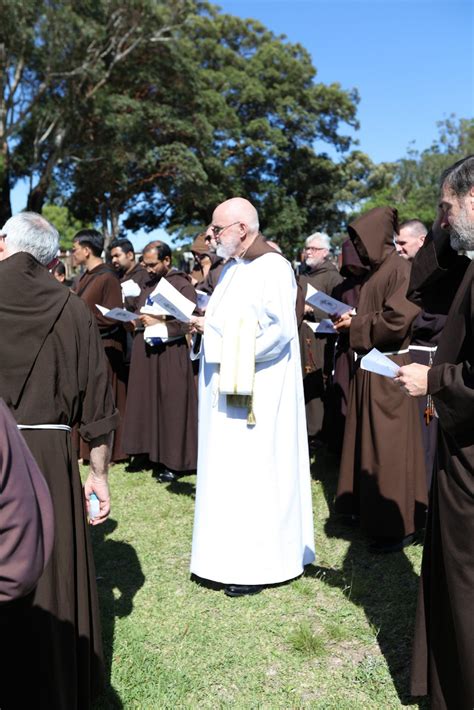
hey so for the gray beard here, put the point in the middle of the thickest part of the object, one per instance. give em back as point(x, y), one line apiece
point(462, 238)
point(223, 252)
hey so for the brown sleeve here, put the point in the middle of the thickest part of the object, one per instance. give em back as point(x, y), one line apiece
point(99, 415)
point(26, 514)
point(387, 328)
point(452, 387)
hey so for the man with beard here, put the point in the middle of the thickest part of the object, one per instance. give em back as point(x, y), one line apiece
point(317, 351)
point(444, 642)
point(161, 416)
point(381, 479)
point(122, 254)
point(99, 285)
point(54, 376)
point(253, 518)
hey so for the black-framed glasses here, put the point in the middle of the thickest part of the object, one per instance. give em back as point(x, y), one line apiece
point(216, 230)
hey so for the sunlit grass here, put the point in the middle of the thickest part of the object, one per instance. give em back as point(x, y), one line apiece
point(338, 637)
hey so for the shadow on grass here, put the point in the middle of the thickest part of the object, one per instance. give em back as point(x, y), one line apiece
point(384, 585)
point(117, 567)
point(182, 488)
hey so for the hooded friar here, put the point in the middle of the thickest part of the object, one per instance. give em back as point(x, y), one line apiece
point(382, 476)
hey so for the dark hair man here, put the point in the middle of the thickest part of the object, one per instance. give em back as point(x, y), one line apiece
point(53, 377)
point(161, 416)
point(99, 285)
point(410, 238)
point(444, 642)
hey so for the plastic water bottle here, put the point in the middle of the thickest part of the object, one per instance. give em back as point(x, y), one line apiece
point(94, 506)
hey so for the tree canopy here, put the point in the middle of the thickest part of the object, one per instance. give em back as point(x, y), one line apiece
point(156, 111)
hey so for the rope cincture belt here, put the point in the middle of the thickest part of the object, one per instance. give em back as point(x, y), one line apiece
point(424, 348)
point(392, 352)
point(60, 427)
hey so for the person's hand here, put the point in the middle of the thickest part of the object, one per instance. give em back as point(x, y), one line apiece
point(147, 319)
point(342, 323)
point(100, 487)
point(413, 379)
point(196, 324)
point(308, 309)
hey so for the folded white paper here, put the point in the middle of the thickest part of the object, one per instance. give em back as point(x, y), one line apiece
point(172, 301)
point(117, 313)
point(326, 303)
point(130, 289)
point(380, 364)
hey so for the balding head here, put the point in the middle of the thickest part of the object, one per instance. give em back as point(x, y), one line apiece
point(234, 227)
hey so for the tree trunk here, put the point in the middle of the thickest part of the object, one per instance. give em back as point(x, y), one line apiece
point(5, 201)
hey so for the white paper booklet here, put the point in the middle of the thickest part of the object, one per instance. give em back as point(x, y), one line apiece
point(377, 362)
point(173, 302)
point(326, 303)
point(117, 313)
point(130, 289)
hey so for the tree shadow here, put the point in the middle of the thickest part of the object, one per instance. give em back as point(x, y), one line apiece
point(118, 568)
point(384, 585)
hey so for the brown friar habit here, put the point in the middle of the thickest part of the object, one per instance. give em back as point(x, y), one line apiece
point(101, 286)
point(317, 351)
point(335, 408)
point(161, 414)
point(54, 372)
point(444, 640)
point(382, 473)
point(427, 329)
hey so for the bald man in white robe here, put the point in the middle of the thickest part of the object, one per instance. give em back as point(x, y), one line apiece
point(253, 520)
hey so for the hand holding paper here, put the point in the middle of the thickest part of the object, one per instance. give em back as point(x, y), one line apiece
point(380, 364)
point(117, 314)
point(326, 303)
point(172, 301)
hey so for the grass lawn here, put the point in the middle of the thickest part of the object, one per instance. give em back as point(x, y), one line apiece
point(338, 638)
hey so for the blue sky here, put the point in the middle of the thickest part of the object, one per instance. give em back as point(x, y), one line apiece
point(411, 60)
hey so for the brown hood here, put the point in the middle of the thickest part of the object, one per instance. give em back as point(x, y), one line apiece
point(350, 257)
point(258, 247)
point(31, 302)
point(375, 229)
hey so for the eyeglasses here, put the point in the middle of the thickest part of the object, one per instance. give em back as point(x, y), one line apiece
point(314, 248)
point(216, 230)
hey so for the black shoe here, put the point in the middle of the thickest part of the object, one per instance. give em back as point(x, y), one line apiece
point(166, 476)
point(386, 546)
point(242, 590)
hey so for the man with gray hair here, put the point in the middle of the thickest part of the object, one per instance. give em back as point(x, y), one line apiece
point(253, 522)
point(317, 350)
point(444, 642)
point(53, 376)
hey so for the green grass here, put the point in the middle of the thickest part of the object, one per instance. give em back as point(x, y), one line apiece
point(337, 638)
